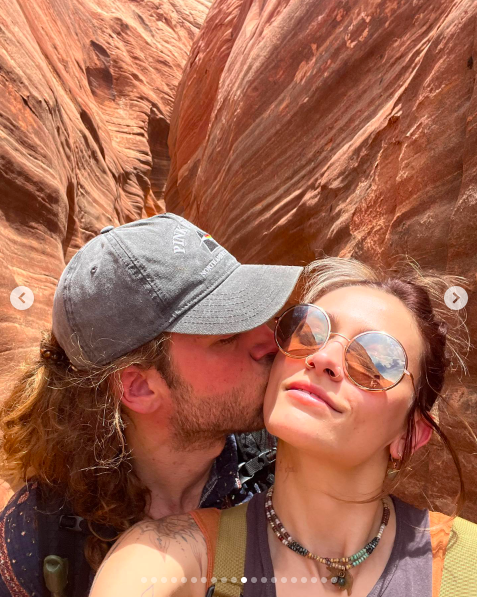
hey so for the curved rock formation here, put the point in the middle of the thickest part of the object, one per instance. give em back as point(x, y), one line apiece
point(86, 93)
point(344, 128)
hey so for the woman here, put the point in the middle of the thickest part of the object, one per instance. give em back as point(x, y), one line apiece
point(362, 361)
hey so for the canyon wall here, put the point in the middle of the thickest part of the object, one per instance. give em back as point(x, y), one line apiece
point(305, 128)
point(86, 94)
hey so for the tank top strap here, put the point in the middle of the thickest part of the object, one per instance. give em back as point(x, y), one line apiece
point(207, 519)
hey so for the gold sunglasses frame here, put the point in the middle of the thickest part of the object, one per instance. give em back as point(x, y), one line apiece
point(349, 342)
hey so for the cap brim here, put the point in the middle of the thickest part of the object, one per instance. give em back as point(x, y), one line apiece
point(249, 297)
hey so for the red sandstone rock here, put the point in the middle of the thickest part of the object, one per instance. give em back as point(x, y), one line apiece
point(346, 128)
point(86, 93)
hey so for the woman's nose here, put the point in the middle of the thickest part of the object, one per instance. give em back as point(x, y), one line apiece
point(328, 360)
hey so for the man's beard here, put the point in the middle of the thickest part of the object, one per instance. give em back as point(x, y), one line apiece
point(196, 421)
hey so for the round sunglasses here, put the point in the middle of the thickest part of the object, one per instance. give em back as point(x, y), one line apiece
point(374, 361)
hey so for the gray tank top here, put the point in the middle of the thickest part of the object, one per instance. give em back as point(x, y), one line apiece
point(408, 571)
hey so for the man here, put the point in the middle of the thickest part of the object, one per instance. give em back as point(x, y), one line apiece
point(159, 351)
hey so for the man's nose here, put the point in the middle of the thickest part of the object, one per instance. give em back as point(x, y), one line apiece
point(262, 342)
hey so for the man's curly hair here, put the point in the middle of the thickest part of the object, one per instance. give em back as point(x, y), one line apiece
point(64, 427)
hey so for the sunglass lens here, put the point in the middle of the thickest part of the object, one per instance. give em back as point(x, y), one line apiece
point(375, 361)
point(302, 330)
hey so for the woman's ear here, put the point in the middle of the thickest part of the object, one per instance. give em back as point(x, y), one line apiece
point(422, 434)
point(142, 389)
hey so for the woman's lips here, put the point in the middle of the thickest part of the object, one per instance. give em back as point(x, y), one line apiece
point(310, 394)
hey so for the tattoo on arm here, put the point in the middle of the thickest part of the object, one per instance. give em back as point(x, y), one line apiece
point(161, 534)
point(181, 529)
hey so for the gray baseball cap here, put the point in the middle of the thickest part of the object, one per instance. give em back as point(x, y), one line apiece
point(133, 282)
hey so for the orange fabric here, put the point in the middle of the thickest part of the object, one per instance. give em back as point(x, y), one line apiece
point(439, 540)
point(207, 520)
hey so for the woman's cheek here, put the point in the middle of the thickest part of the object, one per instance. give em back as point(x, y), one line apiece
point(369, 412)
point(397, 415)
point(385, 417)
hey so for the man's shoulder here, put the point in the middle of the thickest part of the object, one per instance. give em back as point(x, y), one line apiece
point(20, 509)
point(36, 522)
point(171, 547)
point(26, 492)
point(20, 573)
point(175, 527)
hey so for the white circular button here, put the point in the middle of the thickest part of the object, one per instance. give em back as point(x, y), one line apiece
point(456, 298)
point(22, 298)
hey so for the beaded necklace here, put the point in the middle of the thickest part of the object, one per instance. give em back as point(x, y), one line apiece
point(339, 568)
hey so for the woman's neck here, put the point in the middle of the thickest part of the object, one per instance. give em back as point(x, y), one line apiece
point(308, 498)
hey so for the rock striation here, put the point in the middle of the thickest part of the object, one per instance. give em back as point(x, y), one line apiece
point(86, 94)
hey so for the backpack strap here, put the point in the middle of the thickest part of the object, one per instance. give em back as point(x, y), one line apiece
point(441, 526)
point(454, 561)
point(207, 519)
point(460, 567)
point(225, 533)
point(62, 534)
point(230, 556)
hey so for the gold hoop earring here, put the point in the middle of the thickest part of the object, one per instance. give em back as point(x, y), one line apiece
point(307, 364)
point(394, 467)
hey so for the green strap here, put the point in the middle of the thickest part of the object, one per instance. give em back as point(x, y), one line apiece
point(229, 564)
point(459, 577)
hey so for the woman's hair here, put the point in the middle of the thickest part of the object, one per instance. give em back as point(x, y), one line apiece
point(65, 428)
point(443, 331)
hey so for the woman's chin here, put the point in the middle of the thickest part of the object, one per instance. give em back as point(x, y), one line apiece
point(292, 430)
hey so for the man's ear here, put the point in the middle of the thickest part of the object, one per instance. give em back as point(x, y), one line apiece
point(422, 434)
point(142, 389)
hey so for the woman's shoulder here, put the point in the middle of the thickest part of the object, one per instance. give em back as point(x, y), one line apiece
point(437, 522)
point(449, 542)
point(450, 536)
point(454, 548)
point(458, 529)
point(410, 518)
point(169, 556)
